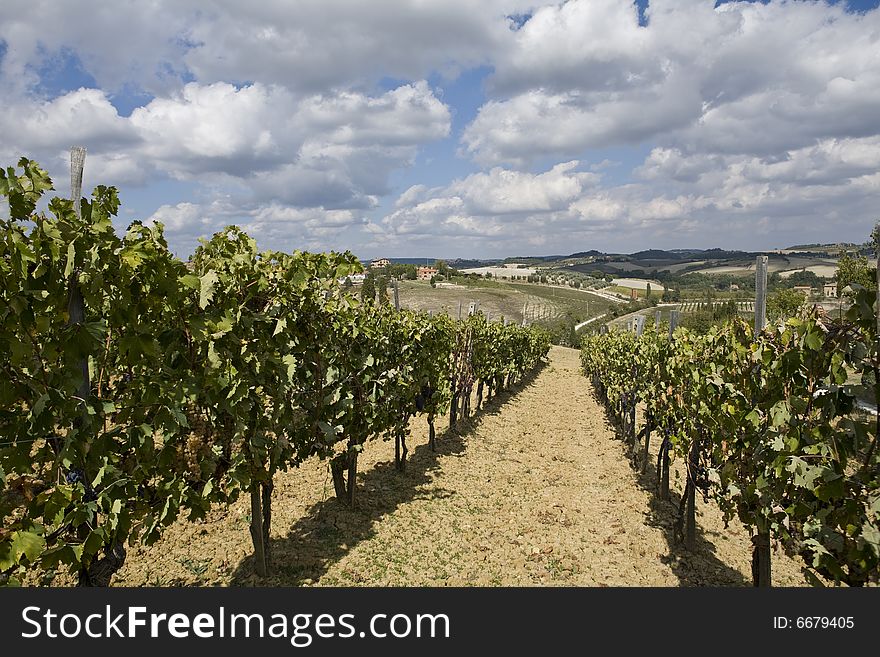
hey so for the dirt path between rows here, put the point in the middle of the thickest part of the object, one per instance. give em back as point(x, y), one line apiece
point(535, 490)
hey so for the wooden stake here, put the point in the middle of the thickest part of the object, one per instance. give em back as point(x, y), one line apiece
point(257, 534)
point(760, 293)
point(690, 536)
point(673, 322)
point(77, 163)
point(761, 573)
point(76, 310)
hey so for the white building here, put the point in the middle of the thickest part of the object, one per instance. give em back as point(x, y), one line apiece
point(356, 279)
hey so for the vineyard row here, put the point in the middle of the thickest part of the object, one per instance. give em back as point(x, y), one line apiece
point(767, 426)
point(137, 387)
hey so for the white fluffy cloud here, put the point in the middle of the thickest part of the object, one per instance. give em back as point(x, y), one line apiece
point(309, 46)
point(740, 78)
point(319, 44)
point(274, 225)
point(332, 150)
point(293, 118)
point(727, 200)
point(501, 191)
point(829, 162)
point(138, 43)
point(503, 206)
point(269, 108)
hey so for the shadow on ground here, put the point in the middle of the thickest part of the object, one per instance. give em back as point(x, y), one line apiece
point(697, 567)
point(329, 529)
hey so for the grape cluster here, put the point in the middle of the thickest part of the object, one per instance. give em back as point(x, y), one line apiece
point(78, 476)
point(423, 397)
point(701, 480)
point(195, 457)
point(75, 476)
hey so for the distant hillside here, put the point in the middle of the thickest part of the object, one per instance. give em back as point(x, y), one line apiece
point(714, 254)
point(823, 247)
point(651, 263)
point(586, 254)
point(656, 254)
point(470, 263)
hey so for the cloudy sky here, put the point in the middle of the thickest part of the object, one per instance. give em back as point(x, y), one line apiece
point(469, 128)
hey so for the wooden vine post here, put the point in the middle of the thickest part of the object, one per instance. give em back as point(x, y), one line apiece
point(673, 322)
point(663, 460)
point(760, 294)
point(76, 311)
point(649, 427)
point(649, 420)
point(100, 571)
point(761, 541)
point(261, 509)
point(640, 329)
point(690, 534)
point(877, 255)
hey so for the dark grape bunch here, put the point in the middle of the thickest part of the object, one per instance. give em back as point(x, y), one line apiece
point(423, 397)
point(75, 476)
point(78, 476)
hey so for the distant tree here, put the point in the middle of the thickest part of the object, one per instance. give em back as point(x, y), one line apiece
point(803, 277)
point(543, 279)
point(441, 266)
point(784, 303)
point(401, 271)
point(368, 289)
point(854, 270)
point(648, 291)
point(382, 286)
point(488, 274)
point(347, 282)
point(433, 281)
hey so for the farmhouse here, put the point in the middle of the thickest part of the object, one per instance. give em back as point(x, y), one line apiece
point(806, 290)
point(380, 263)
point(830, 289)
point(425, 273)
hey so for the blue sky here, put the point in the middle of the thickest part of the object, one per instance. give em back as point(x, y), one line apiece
point(459, 128)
